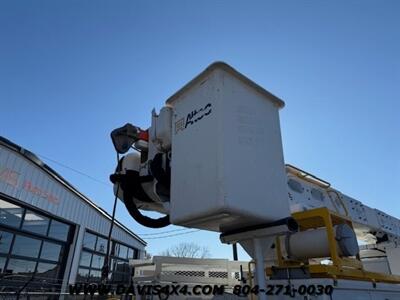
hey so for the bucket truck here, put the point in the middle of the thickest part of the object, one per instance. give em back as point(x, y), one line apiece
point(212, 159)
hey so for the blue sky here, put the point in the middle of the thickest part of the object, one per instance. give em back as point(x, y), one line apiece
point(71, 71)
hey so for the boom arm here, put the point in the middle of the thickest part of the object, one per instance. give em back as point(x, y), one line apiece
point(371, 225)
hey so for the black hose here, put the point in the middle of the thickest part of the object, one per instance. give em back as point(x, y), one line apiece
point(130, 183)
point(141, 219)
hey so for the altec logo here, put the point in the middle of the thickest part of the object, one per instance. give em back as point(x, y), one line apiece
point(192, 117)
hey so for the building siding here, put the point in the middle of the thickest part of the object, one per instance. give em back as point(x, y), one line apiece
point(27, 182)
point(33, 184)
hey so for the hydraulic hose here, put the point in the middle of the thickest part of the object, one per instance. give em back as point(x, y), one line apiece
point(142, 219)
point(130, 183)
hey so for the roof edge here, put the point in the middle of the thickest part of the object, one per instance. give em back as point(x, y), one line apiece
point(229, 69)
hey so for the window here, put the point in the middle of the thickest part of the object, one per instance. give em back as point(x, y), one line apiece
point(59, 230)
point(25, 246)
point(115, 248)
point(93, 257)
point(21, 266)
point(35, 223)
point(10, 214)
point(50, 251)
point(121, 266)
point(89, 241)
point(135, 254)
point(5, 241)
point(101, 245)
point(47, 270)
point(123, 251)
point(86, 258)
point(32, 243)
point(130, 253)
point(95, 276)
point(97, 261)
point(83, 275)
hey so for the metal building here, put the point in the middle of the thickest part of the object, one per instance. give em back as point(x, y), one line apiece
point(50, 234)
